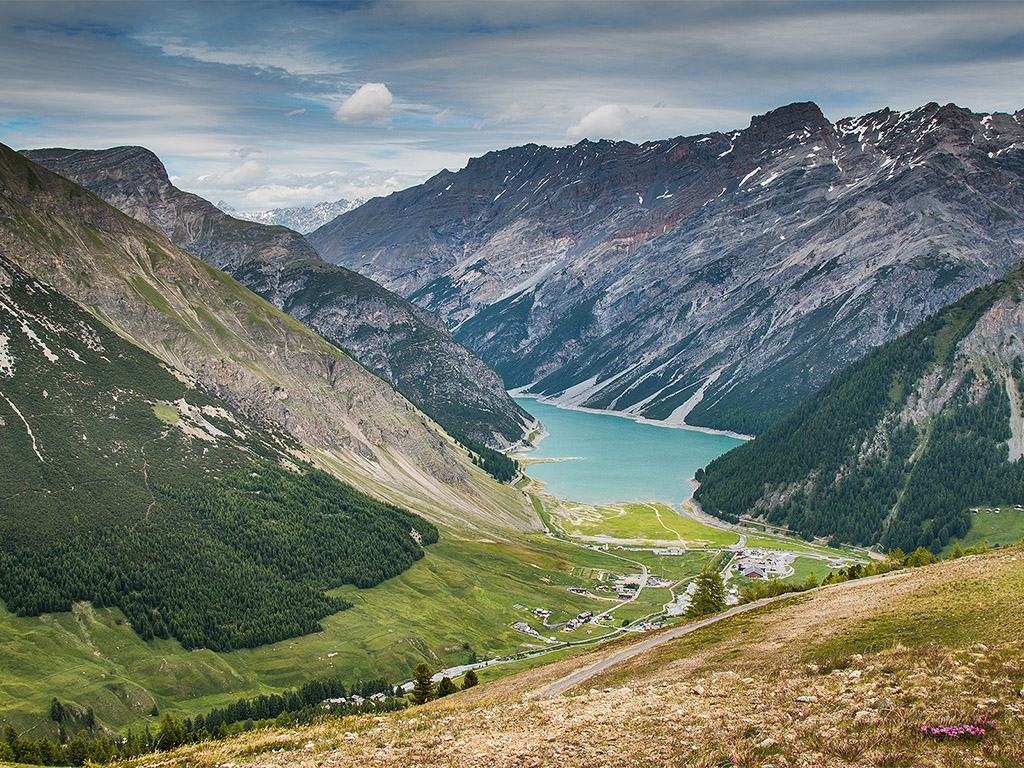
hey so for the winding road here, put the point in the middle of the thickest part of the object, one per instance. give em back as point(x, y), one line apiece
point(576, 678)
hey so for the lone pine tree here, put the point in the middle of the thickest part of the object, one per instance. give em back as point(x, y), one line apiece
point(422, 687)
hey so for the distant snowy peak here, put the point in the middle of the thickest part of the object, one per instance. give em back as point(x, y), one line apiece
point(302, 220)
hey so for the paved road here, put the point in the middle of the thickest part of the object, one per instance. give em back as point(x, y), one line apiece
point(575, 679)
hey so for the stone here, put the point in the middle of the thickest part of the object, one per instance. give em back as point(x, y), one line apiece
point(769, 742)
point(863, 717)
point(807, 699)
point(884, 704)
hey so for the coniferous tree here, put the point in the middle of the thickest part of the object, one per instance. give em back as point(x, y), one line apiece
point(170, 733)
point(709, 597)
point(470, 680)
point(446, 687)
point(57, 712)
point(422, 688)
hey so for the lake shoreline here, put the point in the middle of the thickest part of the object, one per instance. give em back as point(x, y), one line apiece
point(631, 416)
point(623, 462)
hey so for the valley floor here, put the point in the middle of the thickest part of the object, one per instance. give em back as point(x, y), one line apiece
point(846, 676)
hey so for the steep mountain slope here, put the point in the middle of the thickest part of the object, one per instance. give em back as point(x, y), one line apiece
point(901, 445)
point(718, 279)
point(261, 362)
point(302, 219)
point(403, 344)
point(126, 487)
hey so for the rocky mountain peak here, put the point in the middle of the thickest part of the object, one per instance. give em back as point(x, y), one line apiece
point(779, 124)
point(799, 114)
point(127, 162)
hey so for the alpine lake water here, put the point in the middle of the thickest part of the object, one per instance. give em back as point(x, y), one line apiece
point(612, 459)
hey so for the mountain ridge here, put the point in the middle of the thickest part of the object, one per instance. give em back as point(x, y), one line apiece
point(261, 361)
point(899, 447)
point(715, 280)
point(405, 345)
point(303, 219)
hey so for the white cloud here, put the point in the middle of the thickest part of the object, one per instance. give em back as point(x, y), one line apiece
point(295, 112)
point(611, 121)
point(371, 103)
point(248, 173)
point(443, 116)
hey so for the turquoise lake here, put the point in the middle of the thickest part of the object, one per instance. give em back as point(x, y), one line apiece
point(618, 459)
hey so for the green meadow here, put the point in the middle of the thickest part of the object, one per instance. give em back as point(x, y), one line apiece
point(1002, 528)
point(640, 523)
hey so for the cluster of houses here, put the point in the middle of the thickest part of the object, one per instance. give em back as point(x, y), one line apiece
point(522, 626)
point(995, 510)
point(578, 621)
point(762, 564)
point(356, 699)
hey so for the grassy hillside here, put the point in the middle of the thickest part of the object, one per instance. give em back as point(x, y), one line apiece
point(126, 487)
point(897, 447)
point(459, 599)
point(849, 675)
point(261, 361)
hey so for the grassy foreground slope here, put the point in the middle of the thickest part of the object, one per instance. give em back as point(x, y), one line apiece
point(844, 676)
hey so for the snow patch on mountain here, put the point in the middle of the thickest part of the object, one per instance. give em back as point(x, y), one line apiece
point(302, 219)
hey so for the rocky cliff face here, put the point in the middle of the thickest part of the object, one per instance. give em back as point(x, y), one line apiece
point(405, 345)
point(263, 363)
point(716, 279)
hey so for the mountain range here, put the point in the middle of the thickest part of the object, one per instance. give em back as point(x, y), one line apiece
point(302, 219)
point(405, 345)
point(713, 280)
point(263, 363)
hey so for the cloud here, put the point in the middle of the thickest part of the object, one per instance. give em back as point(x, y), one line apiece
point(443, 116)
point(371, 103)
point(611, 121)
point(248, 173)
point(295, 112)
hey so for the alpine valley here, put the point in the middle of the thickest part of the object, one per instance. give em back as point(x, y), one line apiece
point(253, 480)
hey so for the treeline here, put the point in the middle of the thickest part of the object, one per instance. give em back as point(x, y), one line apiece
point(209, 541)
point(840, 464)
point(498, 465)
point(233, 563)
point(296, 707)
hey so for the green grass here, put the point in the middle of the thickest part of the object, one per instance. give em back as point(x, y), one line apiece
point(982, 607)
point(1005, 528)
point(803, 566)
point(166, 413)
point(640, 523)
point(461, 593)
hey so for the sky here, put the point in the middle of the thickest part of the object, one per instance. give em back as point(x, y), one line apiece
point(272, 104)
